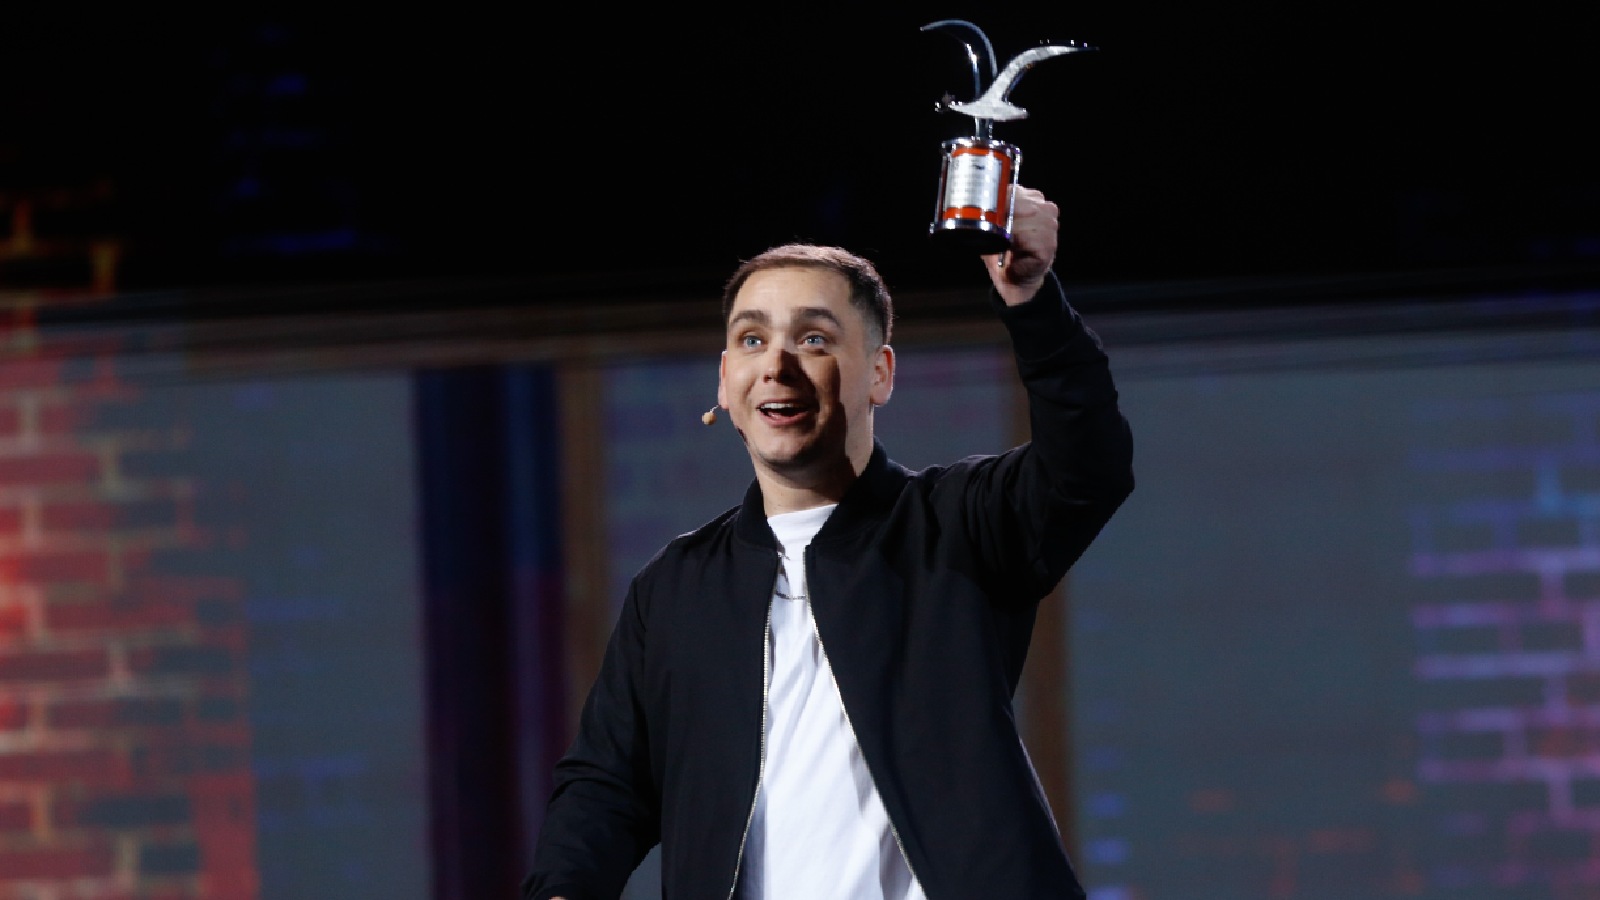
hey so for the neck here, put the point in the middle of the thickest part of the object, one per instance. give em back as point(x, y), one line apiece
point(783, 494)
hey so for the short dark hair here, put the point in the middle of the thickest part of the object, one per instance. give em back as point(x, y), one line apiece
point(868, 294)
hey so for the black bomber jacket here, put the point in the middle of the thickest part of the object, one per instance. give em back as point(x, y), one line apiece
point(924, 587)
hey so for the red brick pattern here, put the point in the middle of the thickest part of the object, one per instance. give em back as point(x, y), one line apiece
point(118, 776)
point(1510, 631)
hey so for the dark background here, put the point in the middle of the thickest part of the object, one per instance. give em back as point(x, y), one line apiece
point(660, 146)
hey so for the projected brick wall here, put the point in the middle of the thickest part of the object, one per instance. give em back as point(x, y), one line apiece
point(1508, 556)
point(124, 738)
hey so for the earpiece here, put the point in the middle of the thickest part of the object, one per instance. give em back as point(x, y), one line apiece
point(709, 417)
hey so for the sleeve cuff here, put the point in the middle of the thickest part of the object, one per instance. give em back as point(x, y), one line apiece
point(1046, 325)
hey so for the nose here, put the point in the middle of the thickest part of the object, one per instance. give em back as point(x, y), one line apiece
point(778, 364)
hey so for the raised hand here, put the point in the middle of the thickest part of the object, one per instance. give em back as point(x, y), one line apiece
point(1035, 223)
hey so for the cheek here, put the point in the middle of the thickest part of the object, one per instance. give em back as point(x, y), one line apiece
point(852, 381)
point(827, 380)
point(737, 383)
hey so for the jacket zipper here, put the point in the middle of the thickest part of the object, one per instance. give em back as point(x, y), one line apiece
point(761, 762)
point(893, 831)
point(1044, 799)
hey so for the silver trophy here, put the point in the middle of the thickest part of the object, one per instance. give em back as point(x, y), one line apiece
point(979, 173)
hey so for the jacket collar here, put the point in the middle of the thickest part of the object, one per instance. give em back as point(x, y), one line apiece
point(866, 501)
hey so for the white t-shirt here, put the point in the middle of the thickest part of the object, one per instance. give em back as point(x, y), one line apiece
point(819, 829)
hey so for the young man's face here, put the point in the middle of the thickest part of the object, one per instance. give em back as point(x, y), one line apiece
point(801, 373)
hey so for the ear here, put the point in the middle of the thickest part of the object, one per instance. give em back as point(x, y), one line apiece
point(882, 375)
point(722, 381)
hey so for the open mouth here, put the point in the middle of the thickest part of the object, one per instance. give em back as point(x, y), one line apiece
point(782, 412)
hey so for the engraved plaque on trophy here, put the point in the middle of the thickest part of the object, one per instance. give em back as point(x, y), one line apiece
point(979, 173)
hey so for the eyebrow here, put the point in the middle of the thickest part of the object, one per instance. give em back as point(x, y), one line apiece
point(760, 317)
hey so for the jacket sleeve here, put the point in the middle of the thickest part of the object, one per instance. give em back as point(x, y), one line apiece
point(603, 815)
point(1032, 511)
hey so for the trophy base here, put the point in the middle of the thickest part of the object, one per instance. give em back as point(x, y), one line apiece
point(975, 236)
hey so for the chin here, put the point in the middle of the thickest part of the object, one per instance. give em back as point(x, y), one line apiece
point(784, 461)
point(792, 459)
point(795, 454)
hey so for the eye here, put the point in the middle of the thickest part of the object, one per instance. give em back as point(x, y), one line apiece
point(749, 341)
point(814, 340)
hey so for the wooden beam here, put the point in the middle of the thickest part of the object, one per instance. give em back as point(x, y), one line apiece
point(581, 388)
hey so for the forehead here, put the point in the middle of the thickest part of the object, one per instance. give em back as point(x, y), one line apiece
point(778, 292)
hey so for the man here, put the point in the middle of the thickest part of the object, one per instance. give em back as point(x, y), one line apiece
point(810, 696)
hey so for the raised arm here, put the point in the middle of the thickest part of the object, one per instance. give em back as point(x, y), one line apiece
point(1032, 511)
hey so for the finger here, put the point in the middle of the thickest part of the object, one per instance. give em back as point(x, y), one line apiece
point(1027, 193)
point(1035, 214)
point(1035, 221)
point(1035, 236)
point(1040, 211)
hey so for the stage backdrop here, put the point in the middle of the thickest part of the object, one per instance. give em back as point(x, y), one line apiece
point(1344, 640)
point(210, 677)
